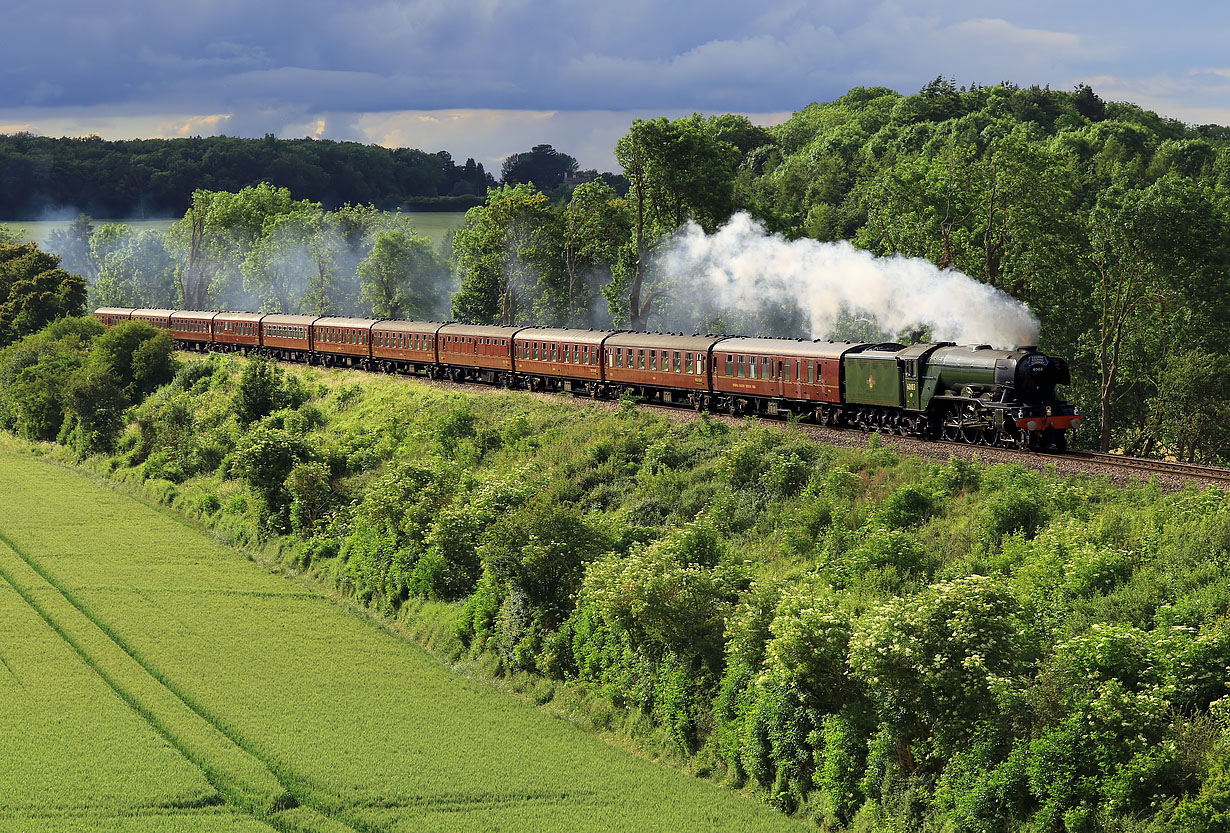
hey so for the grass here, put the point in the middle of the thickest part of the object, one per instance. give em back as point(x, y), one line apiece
point(71, 745)
point(236, 688)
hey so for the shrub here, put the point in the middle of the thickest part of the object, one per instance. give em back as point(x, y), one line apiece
point(264, 388)
point(909, 506)
point(311, 495)
point(1012, 510)
point(936, 661)
point(264, 460)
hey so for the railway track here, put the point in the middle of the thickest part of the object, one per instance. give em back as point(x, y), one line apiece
point(1170, 469)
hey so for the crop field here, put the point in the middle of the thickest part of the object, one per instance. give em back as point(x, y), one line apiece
point(151, 679)
point(434, 224)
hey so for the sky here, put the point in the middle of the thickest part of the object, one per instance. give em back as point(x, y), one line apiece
point(489, 78)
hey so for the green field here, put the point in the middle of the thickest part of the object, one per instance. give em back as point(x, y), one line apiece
point(434, 224)
point(151, 679)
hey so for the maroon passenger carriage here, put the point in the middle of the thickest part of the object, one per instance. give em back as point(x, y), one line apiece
point(192, 329)
point(560, 359)
point(287, 337)
point(408, 346)
point(471, 351)
point(237, 332)
point(110, 316)
point(663, 367)
point(777, 375)
point(342, 342)
point(160, 318)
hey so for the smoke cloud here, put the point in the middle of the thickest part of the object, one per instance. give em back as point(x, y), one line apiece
point(744, 278)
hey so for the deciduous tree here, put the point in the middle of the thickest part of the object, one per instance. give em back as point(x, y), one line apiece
point(678, 171)
point(34, 291)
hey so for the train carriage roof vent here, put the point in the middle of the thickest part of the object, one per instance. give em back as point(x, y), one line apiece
point(983, 347)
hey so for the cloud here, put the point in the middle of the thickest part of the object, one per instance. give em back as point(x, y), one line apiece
point(211, 125)
point(296, 65)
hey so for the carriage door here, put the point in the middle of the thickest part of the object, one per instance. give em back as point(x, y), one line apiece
point(910, 378)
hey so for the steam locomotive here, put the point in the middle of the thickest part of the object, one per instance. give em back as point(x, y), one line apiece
point(937, 390)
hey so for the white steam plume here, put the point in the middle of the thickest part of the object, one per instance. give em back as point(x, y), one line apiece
point(744, 271)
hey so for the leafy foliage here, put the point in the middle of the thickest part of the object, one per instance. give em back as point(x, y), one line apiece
point(34, 291)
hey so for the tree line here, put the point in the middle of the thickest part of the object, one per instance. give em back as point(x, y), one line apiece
point(157, 177)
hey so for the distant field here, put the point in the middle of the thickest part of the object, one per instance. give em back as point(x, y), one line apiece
point(151, 679)
point(434, 224)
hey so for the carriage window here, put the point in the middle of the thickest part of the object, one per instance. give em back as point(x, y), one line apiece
point(535, 351)
point(619, 357)
point(742, 367)
point(585, 354)
point(554, 352)
point(730, 365)
point(687, 363)
point(766, 368)
point(640, 359)
point(787, 369)
point(811, 373)
point(653, 359)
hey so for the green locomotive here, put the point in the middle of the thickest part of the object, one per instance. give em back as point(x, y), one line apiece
point(970, 394)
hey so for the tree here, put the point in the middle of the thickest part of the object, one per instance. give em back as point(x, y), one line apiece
point(343, 238)
point(401, 276)
point(265, 388)
point(218, 233)
point(72, 245)
point(136, 357)
point(678, 171)
point(994, 213)
point(1155, 253)
point(597, 226)
point(34, 291)
point(1190, 413)
point(281, 260)
point(135, 270)
point(507, 258)
point(544, 167)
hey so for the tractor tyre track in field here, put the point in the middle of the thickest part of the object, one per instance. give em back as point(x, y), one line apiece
point(241, 777)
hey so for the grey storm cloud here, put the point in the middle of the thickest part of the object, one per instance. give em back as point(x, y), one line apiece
point(561, 54)
point(347, 70)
